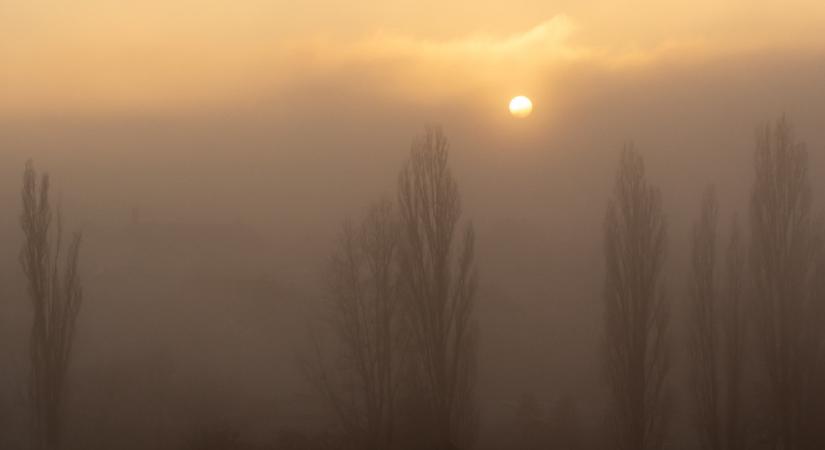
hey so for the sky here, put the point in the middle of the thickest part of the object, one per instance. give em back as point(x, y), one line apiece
point(124, 57)
point(209, 110)
point(310, 106)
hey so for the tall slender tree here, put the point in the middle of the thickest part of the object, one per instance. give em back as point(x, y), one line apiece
point(363, 292)
point(56, 294)
point(734, 327)
point(705, 346)
point(439, 282)
point(784, 245)
point(636, 315)
point(716, 328)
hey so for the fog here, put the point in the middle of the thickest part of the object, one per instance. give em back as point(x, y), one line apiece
point(206, 233)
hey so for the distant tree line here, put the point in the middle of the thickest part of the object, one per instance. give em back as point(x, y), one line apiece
point(756, 341)
point(396, 358)
point(401, 289)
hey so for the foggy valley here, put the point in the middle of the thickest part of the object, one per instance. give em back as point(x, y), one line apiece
point(332, 235)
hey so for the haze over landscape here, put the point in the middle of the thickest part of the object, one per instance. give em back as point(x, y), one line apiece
point(209, 152)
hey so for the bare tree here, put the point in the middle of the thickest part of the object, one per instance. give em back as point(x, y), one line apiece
point(439, 279)
point(704, 345)
point(716, 329)
point(363, 291)
point(636, 317)
point(784, 245)
point(55, 293)
point(734, 335)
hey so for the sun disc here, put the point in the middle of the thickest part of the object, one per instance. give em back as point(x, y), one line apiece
point(521, 106)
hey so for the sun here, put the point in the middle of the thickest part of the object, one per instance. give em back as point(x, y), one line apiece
point(521, 106)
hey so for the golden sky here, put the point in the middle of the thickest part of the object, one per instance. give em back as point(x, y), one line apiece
point(59, 56)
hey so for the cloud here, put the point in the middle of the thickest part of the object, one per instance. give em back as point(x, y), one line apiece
point(480, 64)
point(137, 72)
point(550, 37)
point(425, 68)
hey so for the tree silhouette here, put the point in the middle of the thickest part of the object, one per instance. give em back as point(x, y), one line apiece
point(784, 246)
point(55, 293)
point(439, 285)
point(716, 332)
point(362, 283)
point(635, 308)
point(734, 327)
point(704, 323)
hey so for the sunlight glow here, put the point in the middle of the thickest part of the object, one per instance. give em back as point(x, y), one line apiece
point(521, 106)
